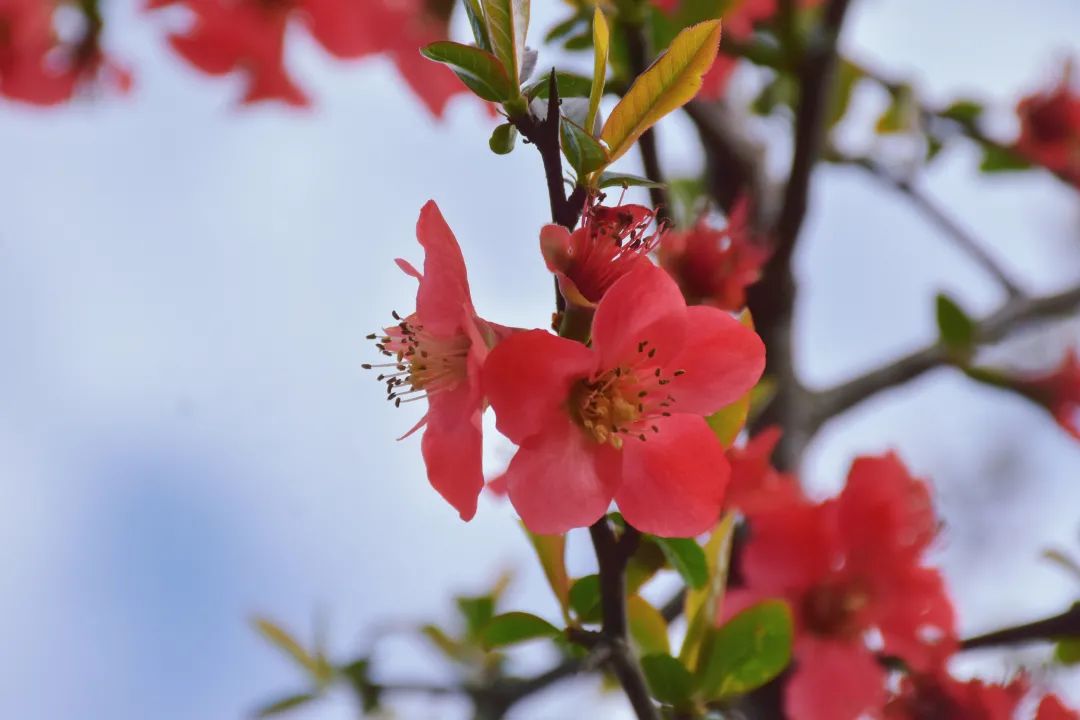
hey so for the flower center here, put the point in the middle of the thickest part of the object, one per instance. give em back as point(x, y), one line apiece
point(423, 364)
point(620, 402)
point(833, 609)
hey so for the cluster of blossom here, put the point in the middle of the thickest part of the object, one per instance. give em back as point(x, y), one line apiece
point(1050, 128)
point(613, 408)
point(853, 569)
point(40, 66)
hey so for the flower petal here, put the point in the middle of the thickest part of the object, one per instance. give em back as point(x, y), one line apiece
point(452, 448)
point(562, 479)
point(445, 287)
point(674, 481)
point(790, 549)
point(834, 681)
point(722, 360)
point(527, 379)
point(643, 305)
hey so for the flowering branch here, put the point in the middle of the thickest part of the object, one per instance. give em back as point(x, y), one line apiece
point(1065, 625)
point(1014, 314)
point(961, 237)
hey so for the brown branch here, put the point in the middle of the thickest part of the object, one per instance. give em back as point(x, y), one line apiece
point(933, 212)
point(1014, 314)
point(733, 161)
point(1065, 625)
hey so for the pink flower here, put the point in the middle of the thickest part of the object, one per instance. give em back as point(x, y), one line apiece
point(850, 566)
point(937, 695)
point(1058, 391)
point(437, 354)
point(1051, 708)
point(1050, 129)
point(714, 267)
point(755, 484)
point(611, 242)
point(622, 419)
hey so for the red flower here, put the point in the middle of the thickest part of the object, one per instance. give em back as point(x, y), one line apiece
point(438, 352)
point(1050, 129)
point(755, 484)
point(611, 242)
point(1058, 392)
point(622, 419)
point(26, 39)
point(848, 567)
point(1051, 708)
point(714, 267)
point(937, 695)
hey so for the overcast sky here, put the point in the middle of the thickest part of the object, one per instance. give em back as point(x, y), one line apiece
point(189, 439)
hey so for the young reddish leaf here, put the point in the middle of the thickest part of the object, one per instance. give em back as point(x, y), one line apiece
point(647, 626)
point(551, 549)
point(515, 627)
point(479, 70)
point(601, 43)
point(669, 681)
point(667, 85)
point(507, 24)
point(747, 651)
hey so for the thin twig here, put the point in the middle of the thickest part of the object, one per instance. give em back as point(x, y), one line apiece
point(1014, 314)
point(1065, 625)
point(933, 212)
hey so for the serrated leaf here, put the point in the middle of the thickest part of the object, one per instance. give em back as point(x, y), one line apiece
point(701, 606)
point(502, 139)
point(507, 25)
point(1000, 159)
point(612, 179)
point(1067, 651)
point(569, 85)
point(957, 330)
point(551, 549)
point(284, 704)
point(668, 679)
point(475, 14)
point(585, 598)
point(746, 652)
point(672, 81)
point(515, 627)
point(687, 558)
point(584, 152)
point(601, 45)
point(647, 626)
point(481, 71)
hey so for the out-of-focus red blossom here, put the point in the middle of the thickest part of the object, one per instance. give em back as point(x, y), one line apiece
point(1050, 129)
point(1058, 391)
point(928, 696)
point(1051, 708)
point(611, 242)
point(850, 566)
point(714, 267)
point(756, 485)
point(37, 67)
point(248, 36)
point(436, 353)
point(623, 419)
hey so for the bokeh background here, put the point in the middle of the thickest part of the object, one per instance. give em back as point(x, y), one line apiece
point(188, 438)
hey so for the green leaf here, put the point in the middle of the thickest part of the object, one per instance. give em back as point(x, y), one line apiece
point(999, 159)
point(565, 27)
point(569, 85)
point(601, 45)
point(965, 112)
point(446, 644)
point(584, 152)
point(507, 25)
point(746, 652)
point(669, 83)
point(284, 704)
point(957, 330)
point(669, 681)
point(1067, 651)
point(585, 598)
point(848, 75)
point(613, 179)
point(551, 549)
point(317, 667)
point(478, 69)
point(901, 115)
point(688, 559)
point(478, 24)
point(781, 91)
point(477, 611)
point(516, 627)
point(646, 561)
point(729, 421)
point(647, 626)
point(356, 673)
point(502, 139)
point(701, 605)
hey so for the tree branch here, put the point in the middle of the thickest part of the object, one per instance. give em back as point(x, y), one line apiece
point(1065, 625)
point(961, 237)
point(1014, 314)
